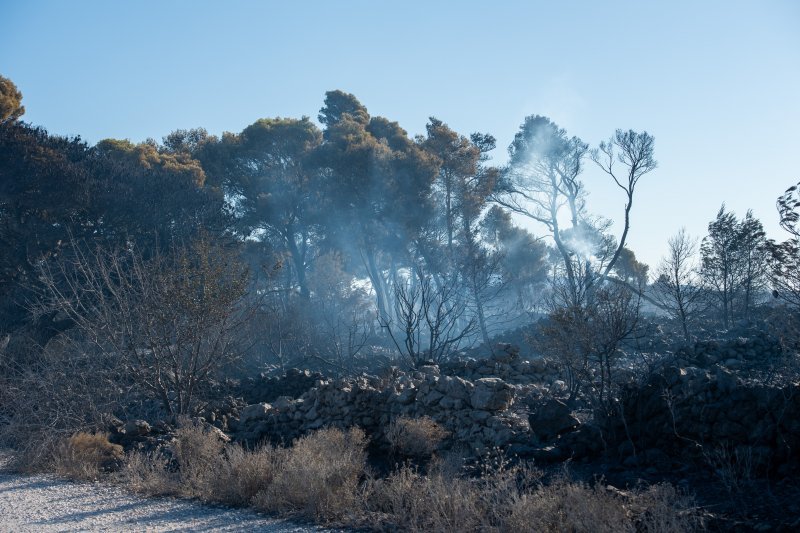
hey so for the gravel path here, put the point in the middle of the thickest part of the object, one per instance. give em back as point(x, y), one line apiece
point(47, 504)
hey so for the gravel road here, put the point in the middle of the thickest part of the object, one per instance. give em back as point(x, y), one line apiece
point(47, 504)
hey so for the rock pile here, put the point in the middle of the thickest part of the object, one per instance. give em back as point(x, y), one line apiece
point(678, 412)
point(266, 388)
point(477, 414)
point(692, 412)
point(507, 364)
point(732, 353)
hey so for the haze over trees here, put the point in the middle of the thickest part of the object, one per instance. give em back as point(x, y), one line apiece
point(363, 245)
point(171, 280)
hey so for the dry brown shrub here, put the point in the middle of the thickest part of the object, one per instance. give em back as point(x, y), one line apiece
point(207, 468)
point(86, 456)
point(320, 478)
point(415, 437)
point(663, 509)
point(147, 473)
point(199, 454)
point(566, 506)
point(317, 478)
point(410, 501)
point(245, 473)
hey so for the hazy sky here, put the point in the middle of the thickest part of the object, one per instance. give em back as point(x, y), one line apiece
point(716, 83)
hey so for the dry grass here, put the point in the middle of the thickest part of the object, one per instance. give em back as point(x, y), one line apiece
point(199, 455)
point(148, 473)
point(323, 477)
point(663, 509)
point(514, 499)
point(318, 477)
point(568, 506)
point(244, 474)
point(415, 437)
point(410, 501)
point(85, 456)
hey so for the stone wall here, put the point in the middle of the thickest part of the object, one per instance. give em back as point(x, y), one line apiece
point(266, 388)
point(693, 412)
point(479, 414)
point(507, 364)
point(736, 352)
point(679, 412)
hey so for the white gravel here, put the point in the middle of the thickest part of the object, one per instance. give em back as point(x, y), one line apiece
point(46, 504)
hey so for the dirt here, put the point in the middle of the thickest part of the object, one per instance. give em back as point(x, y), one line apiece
point(44, 503)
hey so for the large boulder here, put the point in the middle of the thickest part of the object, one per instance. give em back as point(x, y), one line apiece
point(257, 411)
point(550, 418)
point(492, 394)
point(505, 353)
point(137, 428)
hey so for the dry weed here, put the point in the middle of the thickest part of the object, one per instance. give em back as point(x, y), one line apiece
point(318, 478)
point(148, 473)
point(323, 478)
point(199, 454)
point(663, 509)
point(245, 473)
point(566, 506)
point(86, 456)
point(410, 501)
point(415, 437)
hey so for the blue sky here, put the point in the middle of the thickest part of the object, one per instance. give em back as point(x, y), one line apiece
point(717, 82)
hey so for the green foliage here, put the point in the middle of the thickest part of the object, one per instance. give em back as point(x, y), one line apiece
point(630, 269)
point(148, 157)
point(11, 107)
point(734, 263)
point(338, 104)
point(271, 168)
point(524, 258)
point(784, 257)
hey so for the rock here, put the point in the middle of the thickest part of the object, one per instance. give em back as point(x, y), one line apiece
point(282, 403)
point(548, 454)
point(538, 366)
point(479, 416)
point(256, 411)
point(217, 432)
point(626, 449)
point(505, 353)
point(429, 369)
point(137, 428)
point(492, 394)
point(726, 381)
point(631, 461)
point(656, 456)
point(550, 418)
point(432, 398)
point(451, 404)
point(456, 388)
point(733, 363)
point(406, 396)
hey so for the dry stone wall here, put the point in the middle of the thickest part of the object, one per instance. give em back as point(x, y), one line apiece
point(681, 412)
point(477, 414)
